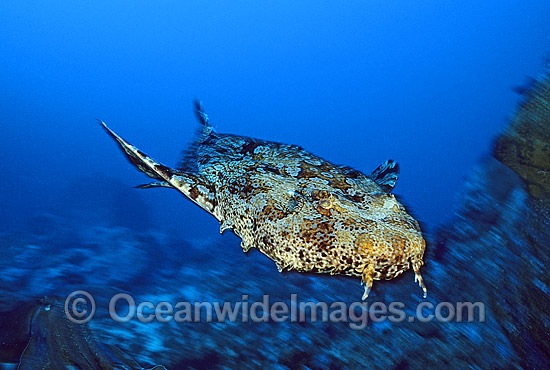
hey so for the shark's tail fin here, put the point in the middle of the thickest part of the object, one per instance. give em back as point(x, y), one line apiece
point(142, 161)
point(192, 185)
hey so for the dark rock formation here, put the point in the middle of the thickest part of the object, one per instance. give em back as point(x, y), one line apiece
point(38, 335)
point(498, 246)
point(498, 250)
point(525, 146)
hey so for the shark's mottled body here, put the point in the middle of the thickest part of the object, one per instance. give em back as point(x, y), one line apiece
point(303, 212)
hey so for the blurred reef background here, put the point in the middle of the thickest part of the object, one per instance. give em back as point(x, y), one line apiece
point(495, 250)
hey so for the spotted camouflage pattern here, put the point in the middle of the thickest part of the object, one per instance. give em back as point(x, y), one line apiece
point(301, 211)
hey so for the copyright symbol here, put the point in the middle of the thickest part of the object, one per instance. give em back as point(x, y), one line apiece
point(80, 307)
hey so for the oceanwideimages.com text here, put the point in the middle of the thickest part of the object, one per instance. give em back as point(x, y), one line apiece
point(80, 308)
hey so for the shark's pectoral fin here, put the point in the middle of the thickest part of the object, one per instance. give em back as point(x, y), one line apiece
point(154, 185)
point(386, 175)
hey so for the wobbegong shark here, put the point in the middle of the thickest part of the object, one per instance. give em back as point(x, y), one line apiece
point(301, 211)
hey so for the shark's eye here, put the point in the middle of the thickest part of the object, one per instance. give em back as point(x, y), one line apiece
point(325, 203)
point(324, 206)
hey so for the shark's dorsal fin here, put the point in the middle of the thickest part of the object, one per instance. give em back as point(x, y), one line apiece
point(386, 175)
point(201, 114)
point(189, 160)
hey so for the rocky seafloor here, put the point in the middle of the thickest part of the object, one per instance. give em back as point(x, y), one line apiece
point(495, 251)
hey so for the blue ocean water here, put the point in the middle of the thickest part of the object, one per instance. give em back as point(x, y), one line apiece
point(428, 84)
